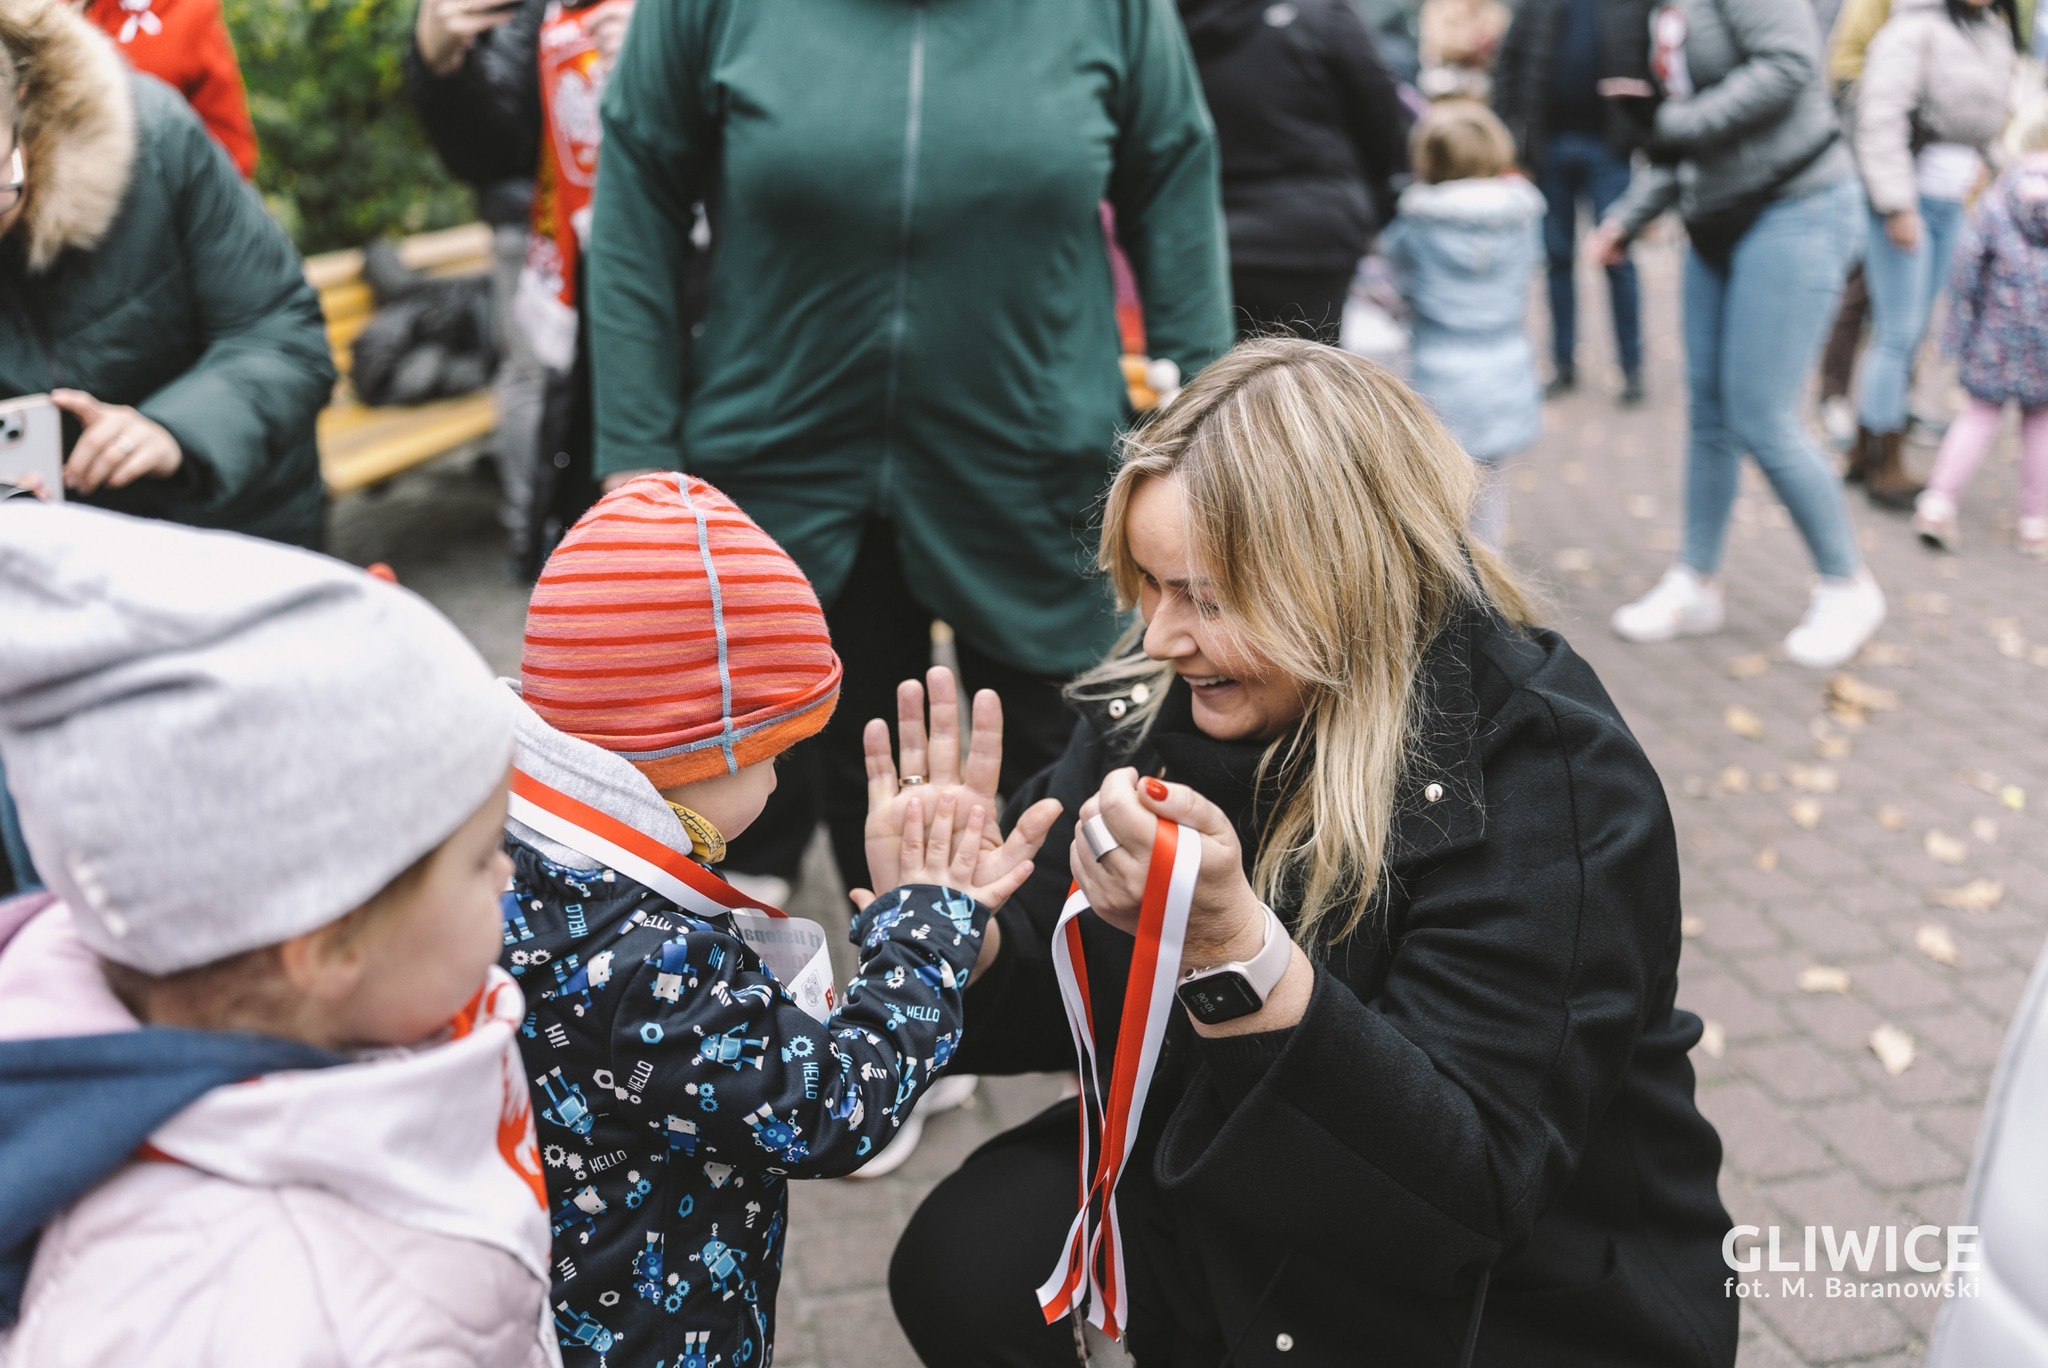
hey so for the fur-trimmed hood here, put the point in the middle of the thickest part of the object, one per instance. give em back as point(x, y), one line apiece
point(77, 126)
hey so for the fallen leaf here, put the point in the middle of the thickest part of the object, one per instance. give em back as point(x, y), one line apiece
point(1893, 1048)
point(1823, 978)
point(1768, 782)
point(2014, 797)
point(1743, 722)
point(1805, 813)
point(1690, 926)
point(1766, 860)
point(1985, 830)
point(1573, 560)
point(1935, 942)
point(1978, 895)
point(1944, 847)
point(1891, 818)
point(2012, 645)
point(1748, 666)
point(1846, 691)
point(1885, 653)
point(1813, 778)
point(1832, 748)
point(1735, 779)
point(1981, 780)
point(2001, 626)
point(1642, 506)
point(1928, 604)
point(1713, 1039)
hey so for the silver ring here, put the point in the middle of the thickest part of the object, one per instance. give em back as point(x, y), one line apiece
point(1095, 832)
point(125, 445)
point(911, 780)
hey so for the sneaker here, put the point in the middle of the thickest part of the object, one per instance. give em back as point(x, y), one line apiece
point(949, 1092)
point(1934, 518)
point(1682, 604)
point(1838, 421)
point(1561, 384)
point(1841, 616)
point(1631, 390)
point(2033, 538)
point(768, 889)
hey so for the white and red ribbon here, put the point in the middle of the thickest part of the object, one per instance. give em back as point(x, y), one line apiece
point(793, 947)
point(1090, 1272)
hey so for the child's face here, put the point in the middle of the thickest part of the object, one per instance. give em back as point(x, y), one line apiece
point(424, 957)
point(729, 802)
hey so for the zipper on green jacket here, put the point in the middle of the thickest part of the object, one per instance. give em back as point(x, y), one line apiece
point(899, 318)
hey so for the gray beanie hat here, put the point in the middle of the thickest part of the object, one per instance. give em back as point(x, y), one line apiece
point(219, 743)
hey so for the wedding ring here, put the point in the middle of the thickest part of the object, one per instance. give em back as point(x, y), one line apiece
point(125, 445)
point(911, 780)
point(1095, 832)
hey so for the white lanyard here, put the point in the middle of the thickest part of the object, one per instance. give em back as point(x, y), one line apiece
point(1091, 1267)
point(793, 948)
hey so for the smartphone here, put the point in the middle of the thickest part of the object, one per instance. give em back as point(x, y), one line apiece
point(32, 442)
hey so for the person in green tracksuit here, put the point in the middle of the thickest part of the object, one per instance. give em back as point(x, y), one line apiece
point(906, 368)
point(143, 286)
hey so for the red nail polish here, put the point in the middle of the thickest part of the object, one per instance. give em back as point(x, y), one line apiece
point(1156, 790)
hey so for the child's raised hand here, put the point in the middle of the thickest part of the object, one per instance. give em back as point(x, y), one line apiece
point(953, 852)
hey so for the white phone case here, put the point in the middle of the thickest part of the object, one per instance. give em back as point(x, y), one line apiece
point(32, 442)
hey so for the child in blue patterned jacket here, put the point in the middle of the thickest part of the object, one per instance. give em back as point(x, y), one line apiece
point(687, 1049)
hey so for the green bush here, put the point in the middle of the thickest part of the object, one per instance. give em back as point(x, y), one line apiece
point(343, 159)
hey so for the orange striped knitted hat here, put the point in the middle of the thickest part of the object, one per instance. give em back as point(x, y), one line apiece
point(669, 629)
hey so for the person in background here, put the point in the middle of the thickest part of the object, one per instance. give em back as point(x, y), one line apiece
point(1746, 143)
point(1577, 145)
point(907, 368)
point(1850, 30)
point(1932, 99)
point(472, 73)
point(1458, 42)
point(1311, 133)
point(1463, 248)
point(1998, 325)
point(185, 44)
point(143, 286)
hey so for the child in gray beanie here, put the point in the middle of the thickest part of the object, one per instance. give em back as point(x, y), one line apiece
point(260, 1098)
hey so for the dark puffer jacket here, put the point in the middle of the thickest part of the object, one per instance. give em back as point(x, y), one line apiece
point(145, 272)
point(1491, 1080)
point(1523, 90)
point(1309, 126)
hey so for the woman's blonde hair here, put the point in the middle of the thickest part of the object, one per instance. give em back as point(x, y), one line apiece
point(1325, 506)
point(1460, 139)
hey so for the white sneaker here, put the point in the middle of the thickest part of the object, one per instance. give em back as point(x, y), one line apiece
point(1934, 518)
point(949, 1092)
point(1682, 604)
point(770, 889)
point(1840, 617)
point(2033, 538)
point(1838, 421)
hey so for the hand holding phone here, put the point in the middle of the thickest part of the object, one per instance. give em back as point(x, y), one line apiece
point(32, 445)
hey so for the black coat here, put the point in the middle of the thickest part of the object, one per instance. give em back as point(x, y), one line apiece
point(1310, 129)
point(484, 117)
point(1521, 75)
point(1491, 1076)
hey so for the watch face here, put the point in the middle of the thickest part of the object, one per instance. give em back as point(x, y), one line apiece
point(1216, 998)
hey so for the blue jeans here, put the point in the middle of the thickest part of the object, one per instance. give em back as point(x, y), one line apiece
point(1751, 337)
point(1580, 166)
point(1903, 288)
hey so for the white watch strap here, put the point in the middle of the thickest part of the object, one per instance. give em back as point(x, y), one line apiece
point(1264, 970)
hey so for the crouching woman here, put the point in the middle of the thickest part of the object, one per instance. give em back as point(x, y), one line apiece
point(1445, 1116)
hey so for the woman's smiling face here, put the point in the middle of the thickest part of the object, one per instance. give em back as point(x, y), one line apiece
point(1238, 697)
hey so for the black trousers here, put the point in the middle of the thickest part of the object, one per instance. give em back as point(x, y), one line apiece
point(884, 636)
point(1308, 304)
point(965, 1276)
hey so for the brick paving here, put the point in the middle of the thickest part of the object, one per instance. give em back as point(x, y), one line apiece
point(1804, 846)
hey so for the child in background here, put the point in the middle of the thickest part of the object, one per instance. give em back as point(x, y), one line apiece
point(266, 791)
point(673, 650)
point(1998, 325)
point(1467, 238)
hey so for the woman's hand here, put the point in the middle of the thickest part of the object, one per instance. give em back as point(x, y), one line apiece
point(118, 447)
point(1903, 228)
point(1604, 245)
point(447, 29)
point(1227, 922)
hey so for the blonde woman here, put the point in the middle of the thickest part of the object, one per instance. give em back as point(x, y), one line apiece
point(1453, 1107)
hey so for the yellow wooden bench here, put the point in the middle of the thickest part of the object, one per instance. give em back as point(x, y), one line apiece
point(361, 445)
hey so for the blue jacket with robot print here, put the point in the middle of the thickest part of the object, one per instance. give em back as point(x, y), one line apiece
point(677, 1086)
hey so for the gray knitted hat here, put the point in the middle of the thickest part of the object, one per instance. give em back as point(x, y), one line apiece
point(218, 743)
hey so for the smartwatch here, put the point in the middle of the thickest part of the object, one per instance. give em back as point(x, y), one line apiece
point(1229, 991)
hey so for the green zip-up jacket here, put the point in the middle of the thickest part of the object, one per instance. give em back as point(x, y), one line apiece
point(910, 313)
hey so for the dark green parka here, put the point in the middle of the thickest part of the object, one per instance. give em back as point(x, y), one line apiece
point(144, 271)
point(910, 312)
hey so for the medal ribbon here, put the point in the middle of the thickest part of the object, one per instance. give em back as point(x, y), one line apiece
point(1091, 1268)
